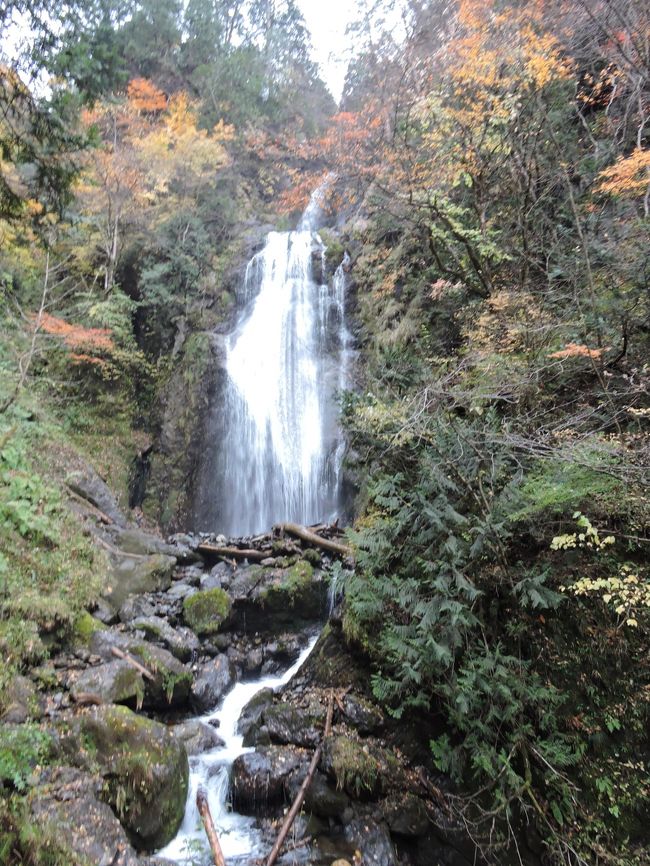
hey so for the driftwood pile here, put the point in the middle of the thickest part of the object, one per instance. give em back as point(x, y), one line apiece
point(284, 540)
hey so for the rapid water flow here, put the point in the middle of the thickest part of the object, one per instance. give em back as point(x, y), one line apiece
point(278, 452)
point(238, 834)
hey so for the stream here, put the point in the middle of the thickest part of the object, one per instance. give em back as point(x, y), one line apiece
point(238, 834)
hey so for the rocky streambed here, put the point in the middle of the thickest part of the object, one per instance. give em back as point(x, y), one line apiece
point(198, 666)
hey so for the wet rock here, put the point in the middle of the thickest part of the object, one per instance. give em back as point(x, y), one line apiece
point(322, 799)
point(288, 725)
point(135, 606)
point(181, 642)
point(251, 715)
point(24, 701)
point(171, 679)
point(133, 576)
point(145, 770)
point(197, 737)
point(259, 779)
point(69, 800)
point(373, 841)
point(87, 484)
point(361, 714)
point(406, 815)
point(116, 682)
point(206, 611)
point(213, 679)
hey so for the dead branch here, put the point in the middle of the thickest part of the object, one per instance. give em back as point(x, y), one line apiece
point(204, 811)
point(120, 654)
point(311, 537)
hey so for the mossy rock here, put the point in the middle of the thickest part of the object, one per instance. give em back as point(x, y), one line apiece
point(84, 627)
point(206, 611)
point(354, 768)
point(145, 770)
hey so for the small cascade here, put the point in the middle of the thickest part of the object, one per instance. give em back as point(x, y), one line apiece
point(279, 450)
point(238, 834)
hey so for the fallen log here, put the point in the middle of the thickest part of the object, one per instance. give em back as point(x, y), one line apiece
point(300, 796)
point(120, 654)
point(204, 811)
point(307, 535)
point(231, 552)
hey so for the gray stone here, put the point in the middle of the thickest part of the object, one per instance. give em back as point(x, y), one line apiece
point(251, 715)
point(181, 642)
point(87, 484)
point(259, 779)
point(132, 540)
point(115, 682)
point(213, 679)
point(197, 737)
point(180, 591)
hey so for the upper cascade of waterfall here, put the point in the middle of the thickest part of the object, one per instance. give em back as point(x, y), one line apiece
point(277, 456)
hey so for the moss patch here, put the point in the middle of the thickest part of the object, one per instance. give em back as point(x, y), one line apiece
point(205, 612)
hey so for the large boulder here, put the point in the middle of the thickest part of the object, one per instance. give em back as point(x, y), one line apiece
point(213, 679)
point(67, 809)
point(355, 768)
point(406, 814)
point(115, 682)
point(131, 575)
point(170, 681)
point(145, 771)
point(259, 780)
point(206, 611)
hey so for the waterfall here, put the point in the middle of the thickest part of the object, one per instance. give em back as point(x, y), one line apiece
point(278, 453)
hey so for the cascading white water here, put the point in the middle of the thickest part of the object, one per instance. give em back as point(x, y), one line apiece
point(238, 835)
point(279, 452)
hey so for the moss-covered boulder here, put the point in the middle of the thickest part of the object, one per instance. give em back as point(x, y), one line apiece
point(145, 771)
point(206, 611)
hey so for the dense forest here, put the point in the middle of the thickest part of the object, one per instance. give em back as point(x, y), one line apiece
point(486, 178)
